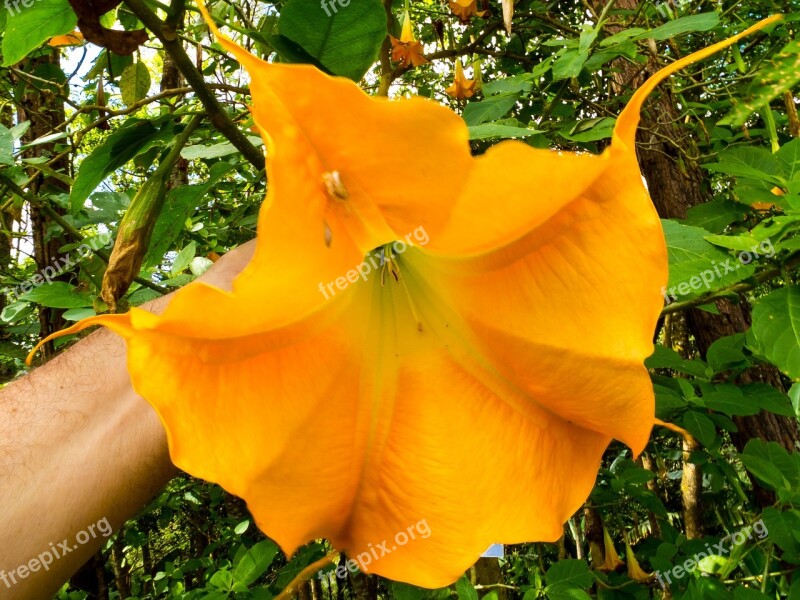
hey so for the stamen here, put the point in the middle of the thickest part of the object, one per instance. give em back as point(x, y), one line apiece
point(334, 186)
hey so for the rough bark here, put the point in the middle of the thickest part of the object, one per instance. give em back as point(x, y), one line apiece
point(45, 110)
point(676, 183)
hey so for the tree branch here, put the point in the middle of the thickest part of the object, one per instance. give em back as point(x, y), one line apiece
point(216, 113)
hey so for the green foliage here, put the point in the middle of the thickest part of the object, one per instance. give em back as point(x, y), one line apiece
point(558, 81)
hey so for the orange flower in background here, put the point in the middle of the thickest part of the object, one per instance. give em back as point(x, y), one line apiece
point(461, 88)
point(407, 50)
point(611, 560)
point(454, 347)
point(635, 571)
point(466, 9)
point(74, 38)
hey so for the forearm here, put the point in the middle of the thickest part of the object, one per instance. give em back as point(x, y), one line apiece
point(78, 450)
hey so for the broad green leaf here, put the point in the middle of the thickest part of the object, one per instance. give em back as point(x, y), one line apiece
point(696, 266)
point(490, 109)
point(78, 314)
point(569, 64)
point(404, 591)
point(771, 463)
point(570, 571)
point(715, 216)
point(465, 590)
point(183, 259)
point(701, 427)
point(776, 329)
point(6, 146)
point(727, 353)
point(199, 151)
point(781, 72)
point(134, 83)
point(750, 162)
point(743, 593)
point(487, 131)
point(343, 35)
point(671, 29)
point(565, 591)
point(781, 526)
point(768, 398)
point(509, 85)
point(255, 562)
point(29, 27)
point(730, 400)
point(667, 358)
point(117, 149)
point(58, 294)
point(789, 155)
point(589, 130)
point(179, 205)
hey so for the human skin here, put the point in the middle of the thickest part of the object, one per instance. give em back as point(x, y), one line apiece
point(79, 450)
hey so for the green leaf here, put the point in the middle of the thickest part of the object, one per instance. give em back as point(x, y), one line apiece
point(487, 131)
point(465, 590)
point(781, 526)
point(781, 72)
point(562, 591)
point(509, 85)
point(179, 205)
point(570, 571)
point(667, 358)
point(255, 562)
point(6, 146)
point(589, 130)
point(183, 259)
point(134, 84)
point(345, 36)
point(771, 463)
point(58, 294)
point(700, 22)
point(570, 64)
point(776, 329)
point(31, 26)
point(117, 149)
point(490, 109)
point(695, 265)
point(701, 427)
point(404, 591)
point(715, 216)
point(768, 398)
point(749, 162)
point(730, 400)
point(727, 353)
point(743, 593)
point(198, 151)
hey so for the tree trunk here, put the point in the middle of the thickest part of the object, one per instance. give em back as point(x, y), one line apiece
point(676, 183)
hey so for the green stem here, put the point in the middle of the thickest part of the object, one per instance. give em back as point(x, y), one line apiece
point(216, 113)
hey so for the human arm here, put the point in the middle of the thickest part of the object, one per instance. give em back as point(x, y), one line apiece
point(79, 449)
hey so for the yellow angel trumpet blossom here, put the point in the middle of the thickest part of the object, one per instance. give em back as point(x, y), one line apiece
point(635, 571)
point(413, 367)
point(461, 87)
point(612, 560)
point(407, 50)
point(466, 9)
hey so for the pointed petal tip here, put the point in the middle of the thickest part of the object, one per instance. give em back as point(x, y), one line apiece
point(628, 121)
